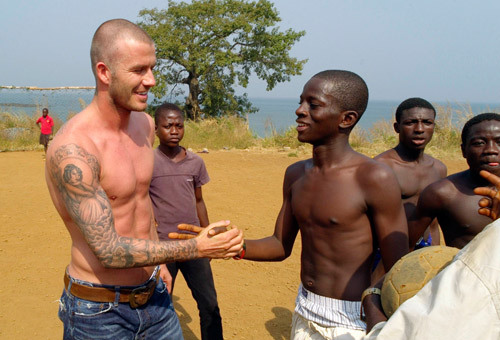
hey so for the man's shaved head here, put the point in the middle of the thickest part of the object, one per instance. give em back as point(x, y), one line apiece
point(108, 36)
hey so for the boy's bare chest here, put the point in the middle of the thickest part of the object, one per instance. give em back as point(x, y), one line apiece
point(413, 180)
point(460, 216)
point(333, 200)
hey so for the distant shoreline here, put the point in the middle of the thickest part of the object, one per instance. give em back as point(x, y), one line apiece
point(47, 88)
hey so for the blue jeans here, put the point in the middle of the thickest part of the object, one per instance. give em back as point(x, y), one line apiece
point(85, 319)
point(198, 276)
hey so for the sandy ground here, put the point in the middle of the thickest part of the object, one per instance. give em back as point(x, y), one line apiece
point(256, 299)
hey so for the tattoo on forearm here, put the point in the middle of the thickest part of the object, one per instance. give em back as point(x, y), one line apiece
point(76, 175)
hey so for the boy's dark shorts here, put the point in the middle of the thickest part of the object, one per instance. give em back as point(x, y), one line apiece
point(44, 139)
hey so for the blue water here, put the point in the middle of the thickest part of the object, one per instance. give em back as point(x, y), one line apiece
point(274, 113)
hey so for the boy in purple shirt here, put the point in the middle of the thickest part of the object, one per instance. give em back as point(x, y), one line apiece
point(177, 198)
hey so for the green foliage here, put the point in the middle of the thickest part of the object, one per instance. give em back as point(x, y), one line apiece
point(213, 45)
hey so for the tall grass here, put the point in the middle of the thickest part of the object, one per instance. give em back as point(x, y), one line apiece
point(19, 132)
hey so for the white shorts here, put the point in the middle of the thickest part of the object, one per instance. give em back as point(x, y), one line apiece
point(328, 312)
point(303, 329)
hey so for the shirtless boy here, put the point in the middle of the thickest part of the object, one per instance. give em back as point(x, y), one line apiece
point(452, 199)
point(462, 301)
point(414, 169)
point(98, 171)
point(335, 201)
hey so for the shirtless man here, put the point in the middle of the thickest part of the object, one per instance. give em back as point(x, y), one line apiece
point(414, 169)
point(335, 201)
point(452, 199)
point(98, 171)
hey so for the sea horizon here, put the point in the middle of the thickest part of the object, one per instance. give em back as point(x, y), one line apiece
point(275, 114)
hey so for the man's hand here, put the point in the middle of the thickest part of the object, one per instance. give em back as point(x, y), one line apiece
point(212, 243)
point(489, 205)
point(166, 277)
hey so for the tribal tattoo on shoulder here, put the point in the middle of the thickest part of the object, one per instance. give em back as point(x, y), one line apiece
point(76, 173)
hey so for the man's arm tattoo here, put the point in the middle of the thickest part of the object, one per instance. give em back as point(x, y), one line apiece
point(76, 175)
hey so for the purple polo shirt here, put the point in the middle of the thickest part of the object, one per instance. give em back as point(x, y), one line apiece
point(172, 190)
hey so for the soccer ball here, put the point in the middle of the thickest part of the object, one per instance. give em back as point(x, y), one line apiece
point(411, 273)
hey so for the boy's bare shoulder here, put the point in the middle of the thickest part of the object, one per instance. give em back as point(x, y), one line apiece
point(437, 164)
point(445, 186)
point(300, 166)
point(297, 170)
point(387, 155)
point(375, 173)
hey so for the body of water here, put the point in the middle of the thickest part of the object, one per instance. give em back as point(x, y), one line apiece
point(274, 113)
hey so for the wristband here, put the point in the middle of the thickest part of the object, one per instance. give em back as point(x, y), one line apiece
point(242, 252)
point(369, 291)
point(366, 292)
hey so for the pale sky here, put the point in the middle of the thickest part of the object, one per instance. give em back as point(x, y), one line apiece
point(440, 50)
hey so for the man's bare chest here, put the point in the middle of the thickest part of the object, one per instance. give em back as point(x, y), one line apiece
point(126, 172)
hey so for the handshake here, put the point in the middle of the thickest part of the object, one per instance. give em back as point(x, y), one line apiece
point(218, 240)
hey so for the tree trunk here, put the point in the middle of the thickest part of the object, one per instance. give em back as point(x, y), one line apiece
point(192, 103)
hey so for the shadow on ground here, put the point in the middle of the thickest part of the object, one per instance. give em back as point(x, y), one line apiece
point(185, 319)
point(279, 326)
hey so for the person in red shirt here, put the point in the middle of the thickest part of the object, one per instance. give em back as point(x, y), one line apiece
point(45, 123)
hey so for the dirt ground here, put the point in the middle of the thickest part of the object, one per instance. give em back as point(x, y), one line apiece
point(256, 299)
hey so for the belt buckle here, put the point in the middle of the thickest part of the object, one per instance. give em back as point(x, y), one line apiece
point(140, 296)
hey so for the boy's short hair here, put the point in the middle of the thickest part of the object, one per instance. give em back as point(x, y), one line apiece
point(349, 90)
point(476, 120)
point(410, 103)
point(164, 108)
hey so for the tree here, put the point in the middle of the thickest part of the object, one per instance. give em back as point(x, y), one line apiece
point(213, 45)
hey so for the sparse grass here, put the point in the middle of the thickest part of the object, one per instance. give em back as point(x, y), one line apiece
point(377, 139)
point(279, 140)
point(19, 132)
point(218, 133)
point(445, 142)
point(447, 134)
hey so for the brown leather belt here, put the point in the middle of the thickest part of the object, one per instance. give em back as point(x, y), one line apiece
point(135, 297)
